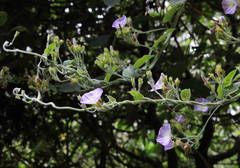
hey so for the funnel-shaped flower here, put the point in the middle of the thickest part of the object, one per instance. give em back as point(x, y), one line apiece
point(159, 84)
point(120, 22)
point(180, 119)
point(229, 6)
point(91, 97)
point(164, 137)
point(201, 108)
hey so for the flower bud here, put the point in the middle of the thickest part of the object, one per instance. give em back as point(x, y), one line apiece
point(149, 74)
point(178, 142)
point(177, 82)
point(133, 83)
point(140, 82)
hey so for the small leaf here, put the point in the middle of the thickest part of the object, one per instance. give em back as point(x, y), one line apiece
point(68, 62)
point(136, 95)
point(130, 72)
point(107, 77)
point(168, 16)
point(50, 49)
point(142, 60)
point(109, 74)
point(220, 92)
point(227, 81)
point(166, 34)
point(111, 99)
point(185, 94)
point(237, 77)
point(3, 18)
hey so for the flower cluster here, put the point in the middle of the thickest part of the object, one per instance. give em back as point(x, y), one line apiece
point(165, 136)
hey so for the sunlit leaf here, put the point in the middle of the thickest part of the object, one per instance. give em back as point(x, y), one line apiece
point(136, 95)
point(227, 81)
point(142, 60)
point(185, 94)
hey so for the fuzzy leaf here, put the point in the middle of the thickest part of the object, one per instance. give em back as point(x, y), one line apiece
point(185, 94)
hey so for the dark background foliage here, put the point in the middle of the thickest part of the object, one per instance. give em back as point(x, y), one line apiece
point(36, 136)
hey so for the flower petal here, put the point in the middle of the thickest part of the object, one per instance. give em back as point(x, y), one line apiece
point(164, 135)
point(180, 119)
point(159, 84)
point(120, 22)
point(169, 146)
point(229, 6)
point(201, 108)
point(91, 97)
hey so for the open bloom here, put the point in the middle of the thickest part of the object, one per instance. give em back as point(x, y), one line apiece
point(180, 119)
point(164, 137)
point(159, 84)
point(229, 6)
point(201, 108)
point(91, 97)
point(120, 22)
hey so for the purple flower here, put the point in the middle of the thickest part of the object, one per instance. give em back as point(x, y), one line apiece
point(180, 119)
point(159, 84)
point(120, 22)
point(91, 97)
point(229, 6)
point(201, 108)
point(164, 137)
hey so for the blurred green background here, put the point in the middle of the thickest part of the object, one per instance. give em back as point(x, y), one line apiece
point(33, 136)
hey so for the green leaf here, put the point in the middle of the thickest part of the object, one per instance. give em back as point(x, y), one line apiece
point(111, 2)
point(168, 16)
point(111, 99)
point(227, 81)
point(142, 60)
point(129, 72)
point(220, 92)
point(109, 74)
point(107, 77)
point(3, 17)
point(50, 49)
point(21, 165)
point(167, 34)
point(136, 95)
point(237, 77)
point(177, 2)
point(185, 94)
point(68, 62)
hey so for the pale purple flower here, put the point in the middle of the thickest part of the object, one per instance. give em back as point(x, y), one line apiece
point(201, 108)
point(164, 137)
point(229, 6)
point(180, 119)
point(120, 22)
point(91, 97)
point(159, 84)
